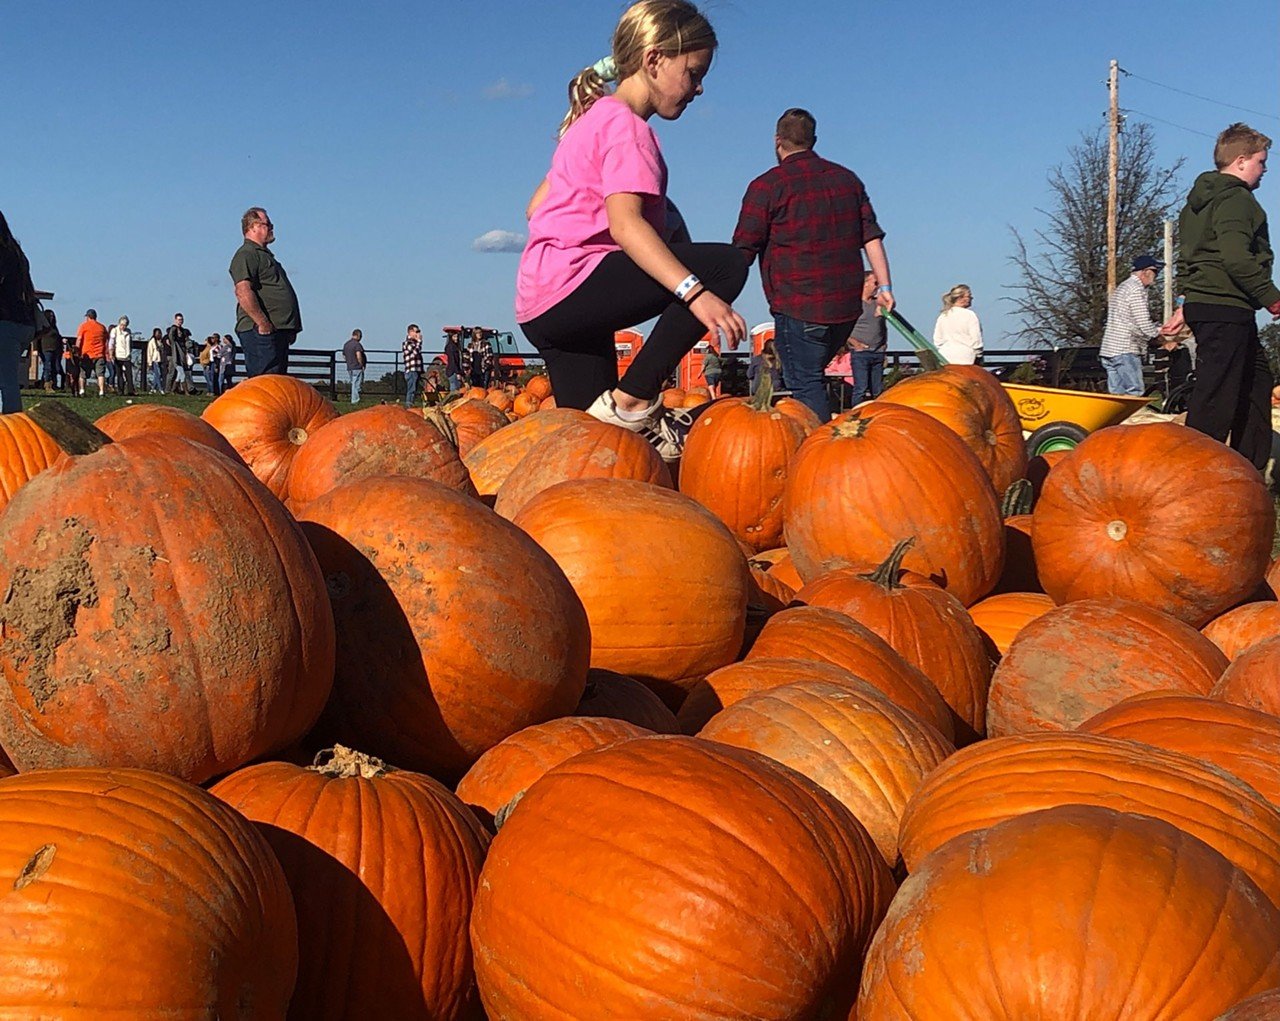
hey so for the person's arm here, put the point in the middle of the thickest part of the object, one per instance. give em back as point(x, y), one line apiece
point(1140, 315)
point(538, 197)
point(751, 235)
point(1235, 229)
point(975, 330)
point(879, 259)
point(637, 238)
point(248, 300)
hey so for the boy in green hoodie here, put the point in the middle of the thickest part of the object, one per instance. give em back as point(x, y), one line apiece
point(1224, 272)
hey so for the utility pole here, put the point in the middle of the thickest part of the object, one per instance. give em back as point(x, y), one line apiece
point(1168, 269)
point(1114, 154)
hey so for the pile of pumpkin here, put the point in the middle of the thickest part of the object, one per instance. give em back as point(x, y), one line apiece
point(516, 401)
point(396, 716)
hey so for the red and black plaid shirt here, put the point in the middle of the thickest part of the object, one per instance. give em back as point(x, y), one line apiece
point(808, 219)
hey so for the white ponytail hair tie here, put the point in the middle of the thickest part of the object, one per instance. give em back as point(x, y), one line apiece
point(606, 69)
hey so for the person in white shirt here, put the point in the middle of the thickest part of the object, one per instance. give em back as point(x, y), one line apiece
point(957, 334)
point(1129, 328)
point(122, 356)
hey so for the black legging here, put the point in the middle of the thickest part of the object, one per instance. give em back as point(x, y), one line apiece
point(575, 337)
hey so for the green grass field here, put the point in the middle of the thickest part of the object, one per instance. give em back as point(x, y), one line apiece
point(92, 406)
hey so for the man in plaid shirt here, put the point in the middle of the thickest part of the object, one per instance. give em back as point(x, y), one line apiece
point(809, 220)
point(1129, 328)
point(411, 351)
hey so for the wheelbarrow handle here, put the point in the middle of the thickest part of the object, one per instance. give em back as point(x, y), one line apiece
point(914, 337)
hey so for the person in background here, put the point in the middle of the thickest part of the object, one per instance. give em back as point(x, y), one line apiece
point(227, 358)
point(839, 373)
point(213, 371)
point(413, 364)
point(268, 319)
point(179, 343)
point(957, 334)
point(867, 344)
point(205, 360)
point(91, 351)
point(354, 355)
point(71, 367)
point(766, 363)
point(1130, 329)
point(434, 385)
point(17, 316)
point(477, 360)
point(50, 341)
point(155, 361)
point(452, 358)
point(712, 369)
point(122, 356)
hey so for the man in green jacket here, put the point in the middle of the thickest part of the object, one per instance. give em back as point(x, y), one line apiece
point(1224, 273)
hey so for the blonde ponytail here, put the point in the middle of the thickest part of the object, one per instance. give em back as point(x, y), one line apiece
point(952, 296)
point(586, 87)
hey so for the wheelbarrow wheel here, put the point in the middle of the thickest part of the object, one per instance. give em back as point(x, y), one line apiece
point(1055, 436)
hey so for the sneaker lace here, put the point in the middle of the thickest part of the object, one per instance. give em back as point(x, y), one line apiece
point(667, 432)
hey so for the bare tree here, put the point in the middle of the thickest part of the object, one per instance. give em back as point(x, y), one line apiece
point(1061, 294)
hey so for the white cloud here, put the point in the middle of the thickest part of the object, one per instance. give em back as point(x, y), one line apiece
point(503, 89)
point(498, 241)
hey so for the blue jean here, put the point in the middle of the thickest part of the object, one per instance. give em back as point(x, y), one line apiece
point(51, 367)
point(805, 349)
point(213, 379)
point(266, 354)
point(157, 377)
point(357, 381)
point(411, 387)
point(868, 373)
point(452, 380)
point(1124, 374)
point(13, 338)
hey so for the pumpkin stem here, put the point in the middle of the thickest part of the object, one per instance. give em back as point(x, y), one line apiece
point(886, 575)
point(341, 761)
point(440, 418)
point(73, 434)
point(504, 813)
point(762, 399)
point(1017, 499)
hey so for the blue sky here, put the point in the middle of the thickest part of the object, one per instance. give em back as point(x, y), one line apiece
point(386, 137)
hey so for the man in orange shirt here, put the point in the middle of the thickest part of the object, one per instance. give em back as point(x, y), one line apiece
point(91, 348)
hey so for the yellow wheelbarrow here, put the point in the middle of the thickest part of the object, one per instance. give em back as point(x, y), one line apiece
point(1056, 419)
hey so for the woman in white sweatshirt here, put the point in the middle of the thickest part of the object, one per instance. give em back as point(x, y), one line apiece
point(122, 356)
point(957, 334)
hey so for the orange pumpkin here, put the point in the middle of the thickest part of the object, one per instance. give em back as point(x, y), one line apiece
point(784, 570)
point(468, 422)
point(538, 387)
point(1005, 777)
point(619, 697)
point(134, 419)
point(664, 813)
point(268, 419)
point(500, 399)
point(1001, 618)
point(673, 397)
point(454, 629)
point(1263, 1007)
point(1083, 895)
point(1250, 679)
point(548, 403)
point(178, 624)
point(773, 594)
point(926, 484)
point(1243, 627)
point(800, 411)
point(25, 451)
point(818, 633)
point(477, 393)
point(847, 738)
point(693, 399)
point(1244, 742)
point(1076, 660)
point(1157, 514)
point(927, 626)
point(970, 402)
point(525, 404)
point(386, 439)
point(586, 449)
point(383, 866)
point(735, 464)
point(177, 891)
point(492, 459)
point(1038, 469)
point(663, 582)
point(1019, 574)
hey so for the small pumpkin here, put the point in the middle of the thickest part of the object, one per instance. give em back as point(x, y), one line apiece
point(619, 697)
point(525, 404)
point(1002, 617)
point(538, 387)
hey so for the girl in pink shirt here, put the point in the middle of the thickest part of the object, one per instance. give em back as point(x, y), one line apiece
point(606, 248)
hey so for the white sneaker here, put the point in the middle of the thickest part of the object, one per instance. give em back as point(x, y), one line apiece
point(664, 428)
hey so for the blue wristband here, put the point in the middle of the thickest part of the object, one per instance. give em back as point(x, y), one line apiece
point(884, 287)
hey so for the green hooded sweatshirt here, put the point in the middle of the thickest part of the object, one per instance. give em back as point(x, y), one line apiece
point(1225, 253)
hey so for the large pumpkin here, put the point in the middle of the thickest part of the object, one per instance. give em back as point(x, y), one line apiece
point(1001, 618)
point(586, 449)
point(454, 629)
point(1263, 1007)
point(25, 451)
point(847, 738)
point(268, 419)
point(818, 633)
point(1158, 514)
point(383, 865)
point(1245, 626)
point(1005, 777)
point(1076, 660)
point(664, 584)
point(162, 610)
point(607, 858)
point(926, 625)
point(386, 439)
point(735, 464)
point(1076, 913)
point(492, 459)
point(130, 894)
point(1251, 678)
point(972, 404)
point(881, 473)
point(134, 419)
point(618, 697)
point(1244, 742)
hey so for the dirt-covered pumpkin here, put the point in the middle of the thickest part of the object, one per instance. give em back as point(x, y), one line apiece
point(1243, 627)
point(383, 866)
point(880, 473)
point(268, 419)
point(1252, 678)
point(130, 894)
point(454, 629)
point(467, 422)
point(1075, 913)
point(161, 609)
point(1263, 1007)
point(133, 419)
point(492, 459)
point(615, 849)
point(1158, 514)
point(25, 451)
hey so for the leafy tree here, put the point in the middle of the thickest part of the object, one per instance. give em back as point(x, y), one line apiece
point(1270, 337)
point(1061, 293)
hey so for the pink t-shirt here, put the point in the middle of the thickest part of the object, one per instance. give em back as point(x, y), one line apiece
point(606, 151)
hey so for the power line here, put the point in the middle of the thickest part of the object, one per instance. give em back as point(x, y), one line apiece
point(1183, 127)
point(1205, 99)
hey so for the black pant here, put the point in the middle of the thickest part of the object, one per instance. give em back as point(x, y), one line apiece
point(1232, 392)
point(575, 337)
point(124, 377)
